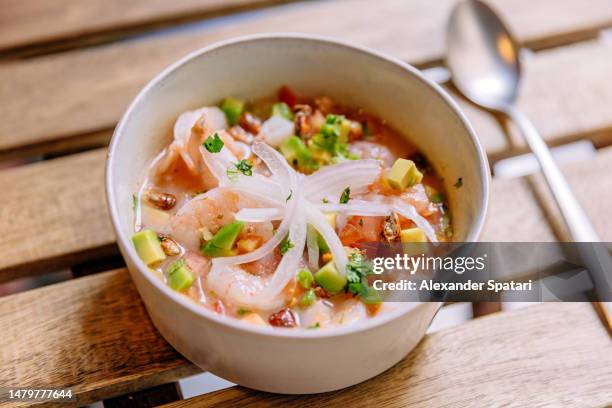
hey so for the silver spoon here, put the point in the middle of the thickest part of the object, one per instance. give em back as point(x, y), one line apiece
point(483, 59)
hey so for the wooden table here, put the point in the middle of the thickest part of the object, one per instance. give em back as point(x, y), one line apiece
point(68, 69)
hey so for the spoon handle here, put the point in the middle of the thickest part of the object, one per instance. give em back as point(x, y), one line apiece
point(579, 225)
point(594, 255)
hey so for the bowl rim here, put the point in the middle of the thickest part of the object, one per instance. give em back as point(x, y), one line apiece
point(235, 324)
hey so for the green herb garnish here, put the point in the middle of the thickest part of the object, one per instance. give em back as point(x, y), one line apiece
point(243, 166)
point(213, 143)
point(357, 271)
point(314, 326)
point(325, 200)
point(285, 245)
point(345, 196)
point(289, 196)
point(459, 182)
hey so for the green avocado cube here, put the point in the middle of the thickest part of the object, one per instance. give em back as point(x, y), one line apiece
point(148, 247)
point(222, 242)
point(330, 279)
point(179, 275)
point(283, 110)
point(233, 109)
point(403, 174)
point(295, 151)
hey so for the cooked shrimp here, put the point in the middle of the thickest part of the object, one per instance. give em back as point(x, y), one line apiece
point(369, 150)
point(207, 213)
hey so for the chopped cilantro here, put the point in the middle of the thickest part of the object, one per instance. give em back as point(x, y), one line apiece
point(245, 167)
point(314, 326)
point(289, 196)
point(345, 196)
point(459, 182)
point(357, 271)
point(213, 143)
point(325, 200)
point(285, 245)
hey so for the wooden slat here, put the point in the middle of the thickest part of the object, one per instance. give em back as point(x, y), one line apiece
point(53, 214)
point(90, 334)
point(591, 182)
point(545, 355)
point(69, 94)
point(26, 22)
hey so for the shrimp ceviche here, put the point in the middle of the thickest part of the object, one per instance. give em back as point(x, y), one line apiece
point(257, 209)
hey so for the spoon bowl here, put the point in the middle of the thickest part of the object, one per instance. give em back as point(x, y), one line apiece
point(482, 56)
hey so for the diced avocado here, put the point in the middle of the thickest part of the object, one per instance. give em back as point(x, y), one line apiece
point(296, 152)
point(305, 278)
point(222, 242)
point(308, 298)
point(283, 110)
point(370, 296)
point(330, 279)
point(179, 275)
point(233, 109)
point(148, 247)
point(412, 235)
point(403, 174)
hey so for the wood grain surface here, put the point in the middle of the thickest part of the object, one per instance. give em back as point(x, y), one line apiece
point(53, 214)
point(26, 22)
point(90, 334)
point(548, 355)
point(86, 91)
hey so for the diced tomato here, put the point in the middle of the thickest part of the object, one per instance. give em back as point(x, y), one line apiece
point(285, 94)
point(361, 229)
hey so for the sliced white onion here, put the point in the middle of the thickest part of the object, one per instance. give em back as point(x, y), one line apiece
point(261, 186)
point(330, 181)
point(260, 214)
point(320, 223)
point(313, 248)
point(408, 211)
point(277, 164)
point(276, 129)
point(288, 266)
point(357, 207)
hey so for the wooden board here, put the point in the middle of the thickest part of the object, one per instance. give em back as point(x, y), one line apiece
point(86, 91)
point(53, 214)
point(90, 334)
point(591, 183)
point(545, 355)
point(27, 22)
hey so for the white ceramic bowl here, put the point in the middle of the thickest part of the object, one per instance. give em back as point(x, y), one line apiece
point(292, 360)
